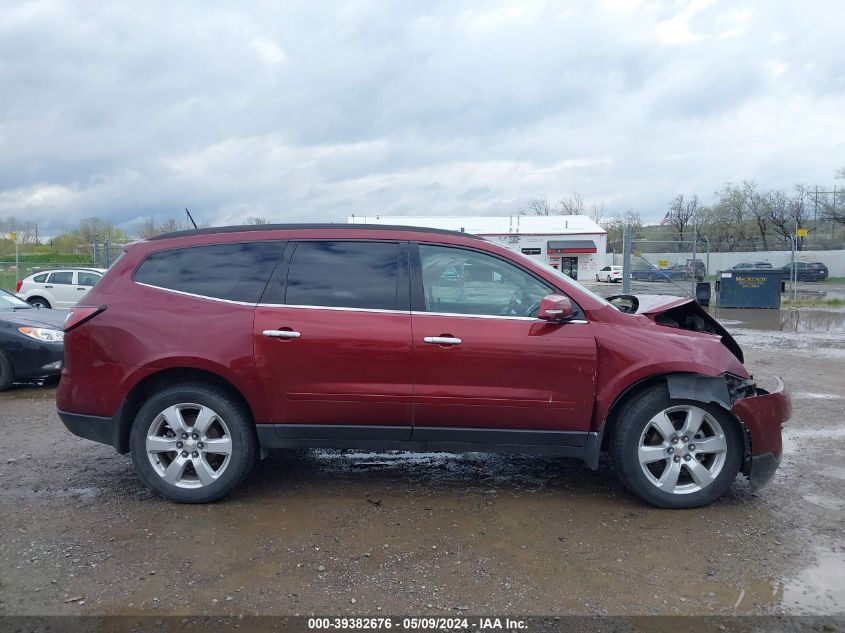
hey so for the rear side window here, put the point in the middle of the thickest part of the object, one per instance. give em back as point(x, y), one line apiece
point(237, 272)
point(344, 275)
point(40, 279)
point(62, 279)
point(88, 279)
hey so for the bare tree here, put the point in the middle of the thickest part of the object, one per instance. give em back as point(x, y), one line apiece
point(571, 205)
point(615, 227)
point(789, 213)
point(538, 206)
point(758, 209)
point(255, 220)
point(598, 211)
point(148, 229)
point(170, 225)
point(831, 210)
point(685, 216)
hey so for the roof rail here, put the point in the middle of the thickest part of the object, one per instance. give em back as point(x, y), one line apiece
point(293, 227)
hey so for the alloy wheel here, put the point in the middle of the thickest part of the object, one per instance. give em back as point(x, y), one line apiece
point(189, 445)
point(682, 449)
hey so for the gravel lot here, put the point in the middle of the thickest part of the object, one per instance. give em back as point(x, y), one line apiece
point(394, 533)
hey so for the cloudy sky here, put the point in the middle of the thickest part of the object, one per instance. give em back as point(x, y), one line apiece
point(313, 111)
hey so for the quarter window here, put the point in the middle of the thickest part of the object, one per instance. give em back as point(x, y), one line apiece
point(40, 279)
point(460, 281)
point(61, 279)
point(344, 275)
point(237, 272)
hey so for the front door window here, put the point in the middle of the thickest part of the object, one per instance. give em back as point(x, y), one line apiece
point(569, 266)
point(460, 281)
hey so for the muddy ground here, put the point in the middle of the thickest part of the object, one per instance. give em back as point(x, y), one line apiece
point(331, 532)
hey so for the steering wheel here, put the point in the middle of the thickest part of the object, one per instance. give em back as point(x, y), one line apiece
point(533, 308)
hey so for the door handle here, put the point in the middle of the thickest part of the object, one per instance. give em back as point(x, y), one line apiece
point(281, 334)
point(80, 288)
point(48, 286)
point(442, 340)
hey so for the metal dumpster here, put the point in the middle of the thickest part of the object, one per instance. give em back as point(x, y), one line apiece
point(753, 288)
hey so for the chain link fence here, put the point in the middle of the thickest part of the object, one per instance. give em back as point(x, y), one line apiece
point(677, 267)
point(100, 255)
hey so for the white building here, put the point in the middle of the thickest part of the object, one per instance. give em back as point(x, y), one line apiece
point(574, 244)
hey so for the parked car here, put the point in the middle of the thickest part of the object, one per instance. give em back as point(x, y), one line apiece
point(751, 266)
point(695, 268)
point(652, 273)
point(30, 341)
point(806, 271)
point(609, 274)
point(217, 344)
point(60, 288)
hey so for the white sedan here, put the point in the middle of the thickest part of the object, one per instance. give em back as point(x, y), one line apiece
point(60, 288)
point(609, 274)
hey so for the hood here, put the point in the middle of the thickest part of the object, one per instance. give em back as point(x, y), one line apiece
point(33, 317)
point(679, 312)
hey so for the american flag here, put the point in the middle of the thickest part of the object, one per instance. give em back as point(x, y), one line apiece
point(667, 218)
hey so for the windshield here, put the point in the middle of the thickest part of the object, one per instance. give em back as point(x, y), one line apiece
point(566, 280)
point(9, 301)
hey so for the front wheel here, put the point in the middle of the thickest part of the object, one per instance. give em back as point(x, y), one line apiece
point(193, 443)
point(676, 453)
point(39, 302)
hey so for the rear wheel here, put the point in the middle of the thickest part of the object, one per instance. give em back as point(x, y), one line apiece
point(193, 443)
point(676, 453)
point(7, 371)
point(38, 302)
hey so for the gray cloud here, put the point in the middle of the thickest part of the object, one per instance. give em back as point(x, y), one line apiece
point(310, 111)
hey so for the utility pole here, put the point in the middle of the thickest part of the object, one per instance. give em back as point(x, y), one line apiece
point(626, 258)
point(17, 258)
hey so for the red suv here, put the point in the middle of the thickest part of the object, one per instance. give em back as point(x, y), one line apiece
point(200, 349)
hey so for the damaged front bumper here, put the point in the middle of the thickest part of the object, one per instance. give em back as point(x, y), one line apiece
point(763, 415)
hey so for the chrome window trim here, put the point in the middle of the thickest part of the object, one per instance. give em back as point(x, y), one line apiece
point(345, 309)
point(487, 316)
point(196, 296)
point(340, 308)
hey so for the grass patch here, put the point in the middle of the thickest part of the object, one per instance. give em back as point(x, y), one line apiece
point(813, 303)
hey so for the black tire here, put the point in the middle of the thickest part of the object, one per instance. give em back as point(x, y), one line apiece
point(39, 301)
point(241, 429)
point(624, 444)
point(7, 371)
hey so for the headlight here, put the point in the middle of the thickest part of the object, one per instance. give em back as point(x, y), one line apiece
point(43, 334)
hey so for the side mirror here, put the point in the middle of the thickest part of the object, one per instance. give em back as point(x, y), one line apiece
point(555, 309)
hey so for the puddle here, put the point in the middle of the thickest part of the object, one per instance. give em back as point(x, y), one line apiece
point(787, 320)
point(819, 330)
point(820, 588)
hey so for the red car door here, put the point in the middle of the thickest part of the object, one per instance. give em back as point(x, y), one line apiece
point(482, 361)
point(333, 339)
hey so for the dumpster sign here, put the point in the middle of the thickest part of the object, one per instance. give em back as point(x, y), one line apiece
point(760, 289)
point(746, 281)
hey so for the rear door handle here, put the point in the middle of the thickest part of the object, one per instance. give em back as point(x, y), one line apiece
point(442, 340)
point(281, 334)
